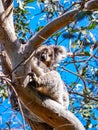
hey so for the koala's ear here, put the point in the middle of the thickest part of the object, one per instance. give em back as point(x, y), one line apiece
point(59, 53)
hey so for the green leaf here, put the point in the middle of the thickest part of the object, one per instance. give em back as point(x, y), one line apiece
point(75, 30)
point(57, 34)
point(87, 53)
point(39, 28)
point(92, 25)
point(28, 1)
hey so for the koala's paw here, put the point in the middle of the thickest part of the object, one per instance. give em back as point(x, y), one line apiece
point(35, 77)
point(32, 75)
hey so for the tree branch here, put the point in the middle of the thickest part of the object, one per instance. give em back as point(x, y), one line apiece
point(8, 5)
point(81, 94)
point(7, 33)
point(55, 115)
point(57, 24)
point(51, 28)
point(91, 5)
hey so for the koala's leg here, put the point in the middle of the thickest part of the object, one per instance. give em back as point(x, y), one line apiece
point(66, 100)
point(51, 85)
point(59, 99)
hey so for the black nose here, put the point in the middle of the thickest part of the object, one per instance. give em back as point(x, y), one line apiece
point(43, 57)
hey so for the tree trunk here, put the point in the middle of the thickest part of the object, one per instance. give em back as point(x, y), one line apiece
point(38, 125)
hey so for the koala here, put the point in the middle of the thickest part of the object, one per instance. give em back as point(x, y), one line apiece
point(50, 55)
point(48, 80)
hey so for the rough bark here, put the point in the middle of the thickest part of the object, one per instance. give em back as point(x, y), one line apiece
point(55, 116)
point(38, 125)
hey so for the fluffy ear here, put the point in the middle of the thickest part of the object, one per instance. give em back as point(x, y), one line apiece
point(59, 53)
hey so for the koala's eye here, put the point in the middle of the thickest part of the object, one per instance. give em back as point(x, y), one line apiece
point(50, 55)
point(43, 57)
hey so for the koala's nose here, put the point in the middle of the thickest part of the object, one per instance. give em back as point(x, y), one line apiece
point(43, 57)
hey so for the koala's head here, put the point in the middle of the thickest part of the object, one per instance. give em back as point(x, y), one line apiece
point(50, 55)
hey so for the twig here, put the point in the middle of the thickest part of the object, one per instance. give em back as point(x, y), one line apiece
point(76, 75)
point(80, 94)
point(11, 84)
